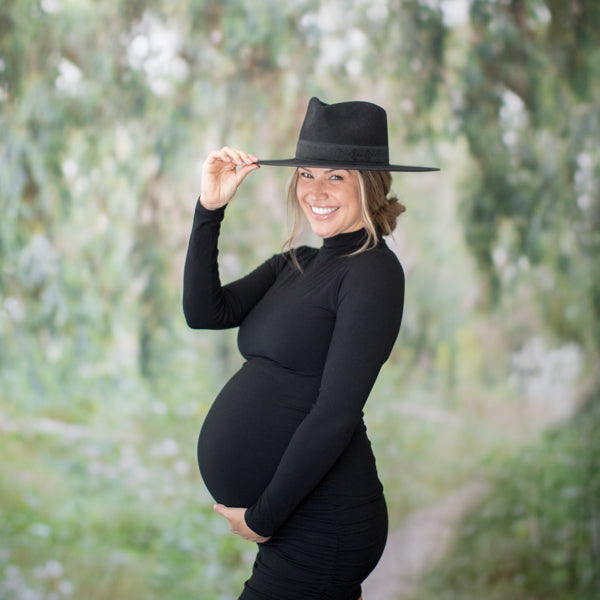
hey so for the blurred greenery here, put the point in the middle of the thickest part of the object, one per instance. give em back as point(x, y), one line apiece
point(106, 112)
point(536, 537)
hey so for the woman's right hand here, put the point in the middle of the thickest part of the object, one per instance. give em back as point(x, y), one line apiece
point(222, 172)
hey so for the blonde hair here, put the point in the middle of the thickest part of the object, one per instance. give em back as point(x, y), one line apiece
point(379, 209)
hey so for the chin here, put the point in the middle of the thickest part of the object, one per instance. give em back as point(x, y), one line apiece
point(322, 232)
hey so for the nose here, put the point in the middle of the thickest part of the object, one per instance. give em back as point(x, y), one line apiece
point(318, 190)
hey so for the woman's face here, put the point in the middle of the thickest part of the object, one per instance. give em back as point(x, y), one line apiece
point(330, 200)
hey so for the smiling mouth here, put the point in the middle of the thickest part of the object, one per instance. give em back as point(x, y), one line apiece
point(318, 210)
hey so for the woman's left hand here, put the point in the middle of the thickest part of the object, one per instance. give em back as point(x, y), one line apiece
point(237, 523)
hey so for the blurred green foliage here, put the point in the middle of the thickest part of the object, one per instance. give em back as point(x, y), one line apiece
point(530, 78)
point(537, 536)
point(106, 112)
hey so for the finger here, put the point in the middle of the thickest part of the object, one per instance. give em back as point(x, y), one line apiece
point(247, 158)
point(217, 164)
point(238, 157)
point(221, 509)
point(228, 159)
point(244, 171)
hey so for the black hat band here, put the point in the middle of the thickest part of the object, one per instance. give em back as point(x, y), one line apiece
point(375, 155)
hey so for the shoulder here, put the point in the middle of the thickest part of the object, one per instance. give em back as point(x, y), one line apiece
point(302, 254)
point(284, 261)
point(373, 279)
point(305, 251)
point(378, 263)
point(373, 284)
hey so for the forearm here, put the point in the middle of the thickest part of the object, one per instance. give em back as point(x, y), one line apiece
point(206, 303)
point(203, 298)
point(359, 347)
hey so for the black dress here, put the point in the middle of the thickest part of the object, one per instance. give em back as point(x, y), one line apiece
point(285, 437)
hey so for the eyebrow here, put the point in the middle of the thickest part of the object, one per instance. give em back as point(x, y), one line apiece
point(328, 170)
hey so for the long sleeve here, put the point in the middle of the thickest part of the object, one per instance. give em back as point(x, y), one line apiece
point(368, 316)
point(206, 303)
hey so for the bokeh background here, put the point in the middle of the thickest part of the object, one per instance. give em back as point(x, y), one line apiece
point(107, 109)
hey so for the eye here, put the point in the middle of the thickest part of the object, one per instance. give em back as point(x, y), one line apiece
point(336, 177)
point(305, 175)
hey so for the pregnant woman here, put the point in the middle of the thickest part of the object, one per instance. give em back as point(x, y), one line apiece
point(284, 449)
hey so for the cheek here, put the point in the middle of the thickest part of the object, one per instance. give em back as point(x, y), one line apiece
point(300, 192)
point(301, 196)
point(302, 206)
point(354, 207)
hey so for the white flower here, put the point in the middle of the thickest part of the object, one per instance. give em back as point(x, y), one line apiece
point(66, 588)
point(40, 529)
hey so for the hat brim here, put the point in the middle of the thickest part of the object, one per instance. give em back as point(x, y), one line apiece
point(322, 164)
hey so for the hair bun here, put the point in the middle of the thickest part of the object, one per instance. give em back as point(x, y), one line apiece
point(384, 208)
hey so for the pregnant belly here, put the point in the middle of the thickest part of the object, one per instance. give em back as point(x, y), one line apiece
point(248, 428)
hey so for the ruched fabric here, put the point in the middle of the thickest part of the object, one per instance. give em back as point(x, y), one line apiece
point(324, 551)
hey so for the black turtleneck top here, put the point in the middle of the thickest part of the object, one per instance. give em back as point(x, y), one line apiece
point(314, 341)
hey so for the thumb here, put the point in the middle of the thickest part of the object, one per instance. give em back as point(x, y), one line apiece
point(244, 171)
point(221, 509)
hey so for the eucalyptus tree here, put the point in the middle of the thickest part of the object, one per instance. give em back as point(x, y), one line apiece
point(528, 108)
point(105, 111)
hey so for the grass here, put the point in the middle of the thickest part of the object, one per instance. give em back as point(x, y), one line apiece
point(101, 511)
point(100, 496)
point(110, 504)
point(537, 537)
point(433, 433)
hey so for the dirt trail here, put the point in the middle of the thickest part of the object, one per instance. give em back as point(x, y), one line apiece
point(549, 381)
point(418, 543)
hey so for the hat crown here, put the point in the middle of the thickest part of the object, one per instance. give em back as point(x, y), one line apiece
point(347, 135)
point(355, 131)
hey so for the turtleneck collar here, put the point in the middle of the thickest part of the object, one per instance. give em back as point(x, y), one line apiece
point(345, 242)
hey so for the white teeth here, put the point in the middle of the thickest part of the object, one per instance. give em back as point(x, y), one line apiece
point(323, 211)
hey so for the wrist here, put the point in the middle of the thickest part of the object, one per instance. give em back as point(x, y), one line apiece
point(208, 206)
point(208, 215)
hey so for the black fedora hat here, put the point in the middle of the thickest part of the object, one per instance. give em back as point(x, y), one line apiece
point(348, 135)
